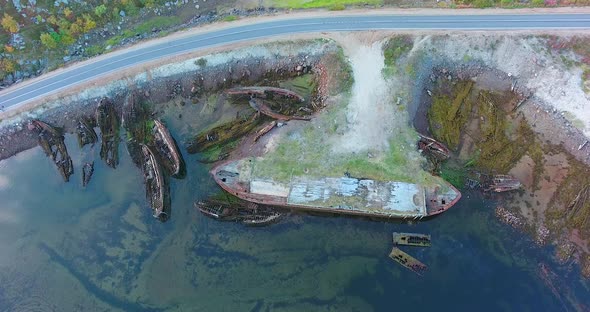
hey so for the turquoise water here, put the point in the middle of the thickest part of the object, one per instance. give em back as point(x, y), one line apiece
point(66, 248)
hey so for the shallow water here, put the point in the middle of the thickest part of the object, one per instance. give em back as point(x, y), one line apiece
point(66, 248)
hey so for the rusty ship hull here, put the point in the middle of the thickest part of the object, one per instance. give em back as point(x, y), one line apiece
point(344, 195)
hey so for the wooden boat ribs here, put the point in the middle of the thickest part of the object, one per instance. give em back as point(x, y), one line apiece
point(52, 143)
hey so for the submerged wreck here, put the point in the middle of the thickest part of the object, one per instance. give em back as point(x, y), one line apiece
point(87, 172)
point(85, 132)
point(108, 122)
point(248, 214)
point(156, 189)
point(411, 239)
point(52, 143)
point(407, 261)
point(166, 147)
point(262, 108)
point(501, 183)
point(345, 195)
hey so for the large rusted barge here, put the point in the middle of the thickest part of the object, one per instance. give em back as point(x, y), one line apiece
point(343, 195)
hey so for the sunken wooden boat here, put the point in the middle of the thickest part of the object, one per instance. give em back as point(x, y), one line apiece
point(87, 172)
point(407, 261)
point(344, 195)
point(411, 239)
point(108, 122)
point(261, 219)
point(166, 148)
point(52, 143)
point(265, 92)
point(155, 187)
point(215, 210)
point(432, 147)
point(502, 183)
point(85, 132)
point(262, 108)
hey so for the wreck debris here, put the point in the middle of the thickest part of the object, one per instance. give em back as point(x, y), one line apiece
point(265, 92)
point(108, 122)
point(155, 187)
point(407, 261)
point(85, 132)
point(432, 147)
point(411, 239)
point(261, 219)
point(166, 147)
point(264, 130)
point(502, 183)
point(52, 143)
point(509, 218)
point(223, 134)
point(261, 107)
point(87, 171)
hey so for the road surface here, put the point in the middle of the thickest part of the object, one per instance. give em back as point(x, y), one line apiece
point(19, 94)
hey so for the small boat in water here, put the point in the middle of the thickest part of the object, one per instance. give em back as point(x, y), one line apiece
point(411, 239)
point(166, 147)
point(155, 187)
point(407, 261)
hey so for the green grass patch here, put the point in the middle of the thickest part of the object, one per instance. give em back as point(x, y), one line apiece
point(230, 18)
point(393, 49)
point(310, 4)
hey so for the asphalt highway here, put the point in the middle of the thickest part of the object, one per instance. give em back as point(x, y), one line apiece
point(19, 94)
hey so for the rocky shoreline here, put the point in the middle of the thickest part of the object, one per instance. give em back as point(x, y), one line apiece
point(190, 80)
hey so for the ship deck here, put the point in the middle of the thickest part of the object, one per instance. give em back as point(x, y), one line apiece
point(341, 195)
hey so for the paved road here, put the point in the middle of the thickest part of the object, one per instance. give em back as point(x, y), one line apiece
point(17, 95)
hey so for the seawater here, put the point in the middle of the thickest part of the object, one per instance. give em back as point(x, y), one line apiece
point(68, 248)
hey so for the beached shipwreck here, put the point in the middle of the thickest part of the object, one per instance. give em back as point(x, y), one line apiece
point(344, 195)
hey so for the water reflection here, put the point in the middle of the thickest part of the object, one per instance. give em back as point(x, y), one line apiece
point(65, 247)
